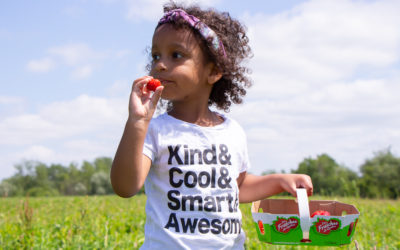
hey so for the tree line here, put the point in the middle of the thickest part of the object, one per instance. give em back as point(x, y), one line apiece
point(378, 177)
point(38, 179)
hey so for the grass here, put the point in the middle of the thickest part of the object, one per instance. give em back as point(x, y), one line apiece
point(110, 222)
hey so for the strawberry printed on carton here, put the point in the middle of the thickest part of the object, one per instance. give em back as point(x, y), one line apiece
point(284, 225)
point(261, 227)
point(351, 227)
point(326, 226)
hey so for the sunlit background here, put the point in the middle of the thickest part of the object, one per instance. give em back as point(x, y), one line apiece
point(325, 73)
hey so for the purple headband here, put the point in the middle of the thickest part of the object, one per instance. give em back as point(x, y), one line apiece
point(205, 31)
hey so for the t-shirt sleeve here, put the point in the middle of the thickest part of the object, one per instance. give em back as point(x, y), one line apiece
point(149, 147)
point(246, 161)
point(242, 139)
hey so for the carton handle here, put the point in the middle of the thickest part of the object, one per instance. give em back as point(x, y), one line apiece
point(304, 212)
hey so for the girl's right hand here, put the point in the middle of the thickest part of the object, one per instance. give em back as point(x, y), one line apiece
point(142, 104)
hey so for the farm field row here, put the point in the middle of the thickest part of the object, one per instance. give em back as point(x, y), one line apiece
point(110, 222)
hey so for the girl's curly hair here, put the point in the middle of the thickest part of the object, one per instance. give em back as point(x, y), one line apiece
point(234, 81)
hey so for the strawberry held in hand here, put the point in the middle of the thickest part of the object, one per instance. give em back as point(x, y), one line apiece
point(320, 212)
point(153, 84)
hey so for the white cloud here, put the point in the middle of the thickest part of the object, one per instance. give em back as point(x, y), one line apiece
point(120, 88)
point(70, 151)
point(38, 152)
point(82, 72)
point(83, 116)
point(147, 10)
point(63, 132)
point(26, 129)
point(80, 58)
point(41, 65)
point(326, 40)
point(325, 81)
point(84, 109)
point(10, 100)
point(152, 10)
point(123, 53)
point(73, 54)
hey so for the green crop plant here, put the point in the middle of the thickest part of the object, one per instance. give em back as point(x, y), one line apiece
point(111, 222)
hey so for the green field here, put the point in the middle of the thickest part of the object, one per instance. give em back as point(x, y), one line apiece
point(110, 222)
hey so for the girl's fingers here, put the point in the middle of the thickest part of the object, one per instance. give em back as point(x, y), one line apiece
point(142, 102)
point(139, 83)
point(156, 96)
point(292, 190)
point(305, 182)
point(295, 181)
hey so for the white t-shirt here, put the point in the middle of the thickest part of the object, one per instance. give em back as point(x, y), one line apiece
point(192, 193)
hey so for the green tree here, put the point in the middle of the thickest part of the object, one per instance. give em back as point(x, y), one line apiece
point(381, 176)
point(7, 189)
point(328, 177)
point(37, 179)
point(100, 183)
point(103, 164)
point(87, 171)
point(24, 179)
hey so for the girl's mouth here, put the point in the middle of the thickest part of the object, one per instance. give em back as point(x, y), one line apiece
point(164, 82)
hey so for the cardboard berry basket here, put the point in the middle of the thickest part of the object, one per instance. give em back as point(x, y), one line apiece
point(287, 222)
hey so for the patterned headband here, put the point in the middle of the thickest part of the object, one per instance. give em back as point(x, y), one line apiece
point(205, 31)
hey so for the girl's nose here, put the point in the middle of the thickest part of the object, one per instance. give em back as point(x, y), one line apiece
point(160, 65)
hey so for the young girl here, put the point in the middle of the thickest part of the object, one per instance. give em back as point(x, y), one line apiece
point(193, 161)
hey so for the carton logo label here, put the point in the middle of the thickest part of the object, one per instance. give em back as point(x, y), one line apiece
point(283, 225)
point(326, 226)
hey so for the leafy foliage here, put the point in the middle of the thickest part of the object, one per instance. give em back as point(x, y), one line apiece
point(37, 179)
point(379, 177)
point(329, 178)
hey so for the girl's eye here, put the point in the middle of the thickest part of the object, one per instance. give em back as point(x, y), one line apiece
point(177, 55)
point(155, 57)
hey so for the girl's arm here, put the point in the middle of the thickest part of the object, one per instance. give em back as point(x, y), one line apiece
point(253, 188)
point(130, 167)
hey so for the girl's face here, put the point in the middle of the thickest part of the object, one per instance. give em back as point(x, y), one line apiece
point(179, 63)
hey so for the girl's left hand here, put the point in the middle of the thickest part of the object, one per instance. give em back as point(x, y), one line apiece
point(142, 104)
point(293, 181)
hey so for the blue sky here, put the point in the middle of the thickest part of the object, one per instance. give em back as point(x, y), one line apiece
point(325, 74)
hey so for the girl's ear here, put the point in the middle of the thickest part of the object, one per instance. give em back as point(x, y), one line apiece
point(214, 75)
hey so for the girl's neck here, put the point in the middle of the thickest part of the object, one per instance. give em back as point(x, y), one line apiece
point(200, 116)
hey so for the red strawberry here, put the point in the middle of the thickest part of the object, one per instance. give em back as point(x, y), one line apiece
point(153, 84)
point(261, 227)
point(320, 212)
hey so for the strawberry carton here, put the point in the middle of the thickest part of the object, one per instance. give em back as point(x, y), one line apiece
point(287, 222)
